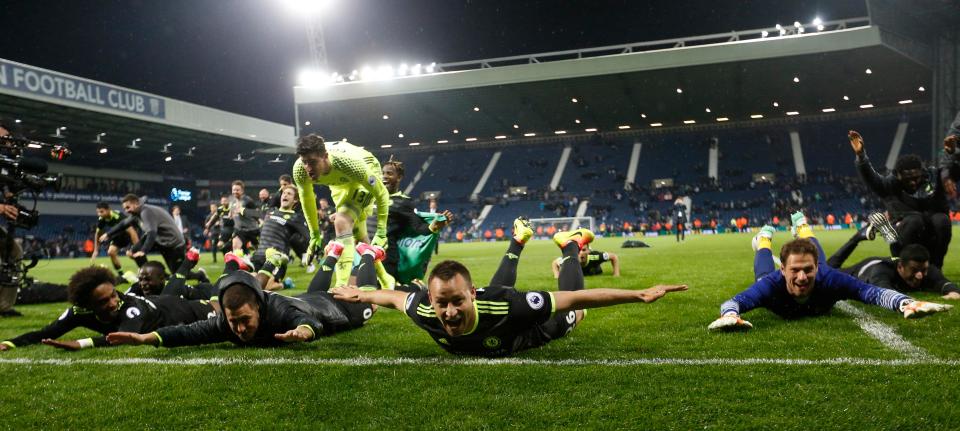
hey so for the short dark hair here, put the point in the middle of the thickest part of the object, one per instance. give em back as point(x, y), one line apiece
point(155, 265)
point(130, 197)
point(311, 144)
point(83, 282)
point(286, 178)
point(238, 183)
point(103, 205)
point(907, 162)
point(799, 246)
point(914, 253)
point(237, 295)
point(397, 165)
point(449, 269)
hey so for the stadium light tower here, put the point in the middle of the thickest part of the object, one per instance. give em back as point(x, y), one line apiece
point(313, 10)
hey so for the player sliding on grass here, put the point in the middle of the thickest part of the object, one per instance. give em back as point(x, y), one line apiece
point(355, 180)
point(910, 272)
point(98, 306)
point(805, 285)
point(253, 317)
point(499, 320)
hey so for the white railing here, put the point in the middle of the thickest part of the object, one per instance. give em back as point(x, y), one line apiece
point(757, 33)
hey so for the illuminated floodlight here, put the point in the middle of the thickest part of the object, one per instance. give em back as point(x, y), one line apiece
point(385, 72)
point(311, 78)
point(592, 129)
point(471, 139)
point(623, 127)
point(529, 134)
point(722, 119)
point(689, 121)
point(403, 69)
point(500, 137)
point(828, 110)
point(431, 67)
point(796, 79)
point(905, 102)
point(756, 116)
point(442, 141)
point(792, 113)
point(866, 106)
point(416, 69)
point(367, 72)
point(306, 8)
point(764, 33)
point(560, 132)
point(656, 124)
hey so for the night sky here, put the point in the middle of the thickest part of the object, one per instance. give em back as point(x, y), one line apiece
point(243, 56)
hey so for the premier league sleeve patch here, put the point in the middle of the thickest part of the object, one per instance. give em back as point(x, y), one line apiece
point(535, 300)
point(372, 180)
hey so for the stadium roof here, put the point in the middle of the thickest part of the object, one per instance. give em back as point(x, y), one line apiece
point(91, 116)
point(785, 73)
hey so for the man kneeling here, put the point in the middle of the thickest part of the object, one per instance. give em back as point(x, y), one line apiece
point(499, 320)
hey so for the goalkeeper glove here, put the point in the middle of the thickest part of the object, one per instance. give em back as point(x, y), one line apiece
point(730, 322)
point(918, 309)
point(313, 248)
point(380, 239)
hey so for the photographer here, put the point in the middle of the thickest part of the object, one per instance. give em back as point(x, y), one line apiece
point(9, 250)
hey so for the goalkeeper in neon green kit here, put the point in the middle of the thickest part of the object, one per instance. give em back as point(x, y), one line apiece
point(355, 181)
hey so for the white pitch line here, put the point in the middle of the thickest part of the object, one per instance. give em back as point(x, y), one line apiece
point(369, 361)
point(884, 333)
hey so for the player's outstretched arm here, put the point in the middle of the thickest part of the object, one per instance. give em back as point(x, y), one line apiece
point(566, 300)
point(385, 298)
point(133, 338)
point(918, 309)
point(555, 266)
point(615, 261)
point(299, 334)
point(730, 322)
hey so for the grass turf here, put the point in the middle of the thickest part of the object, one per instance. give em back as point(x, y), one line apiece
point(425, 395)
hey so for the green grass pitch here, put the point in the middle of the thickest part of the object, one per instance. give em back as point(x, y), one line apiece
point(632, 375)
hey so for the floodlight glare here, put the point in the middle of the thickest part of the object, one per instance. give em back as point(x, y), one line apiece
point(312, 78)
point(306, 8)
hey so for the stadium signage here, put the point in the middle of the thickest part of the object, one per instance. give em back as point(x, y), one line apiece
point(26, 79)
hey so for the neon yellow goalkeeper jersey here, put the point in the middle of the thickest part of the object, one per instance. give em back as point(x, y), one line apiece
point(355, 181)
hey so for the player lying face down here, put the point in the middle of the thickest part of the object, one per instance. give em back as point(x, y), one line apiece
point(806, 285)
point(499, 320)
point(253, 317)
point(98, 306)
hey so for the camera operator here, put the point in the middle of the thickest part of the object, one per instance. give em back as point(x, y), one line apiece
point(9, 250)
